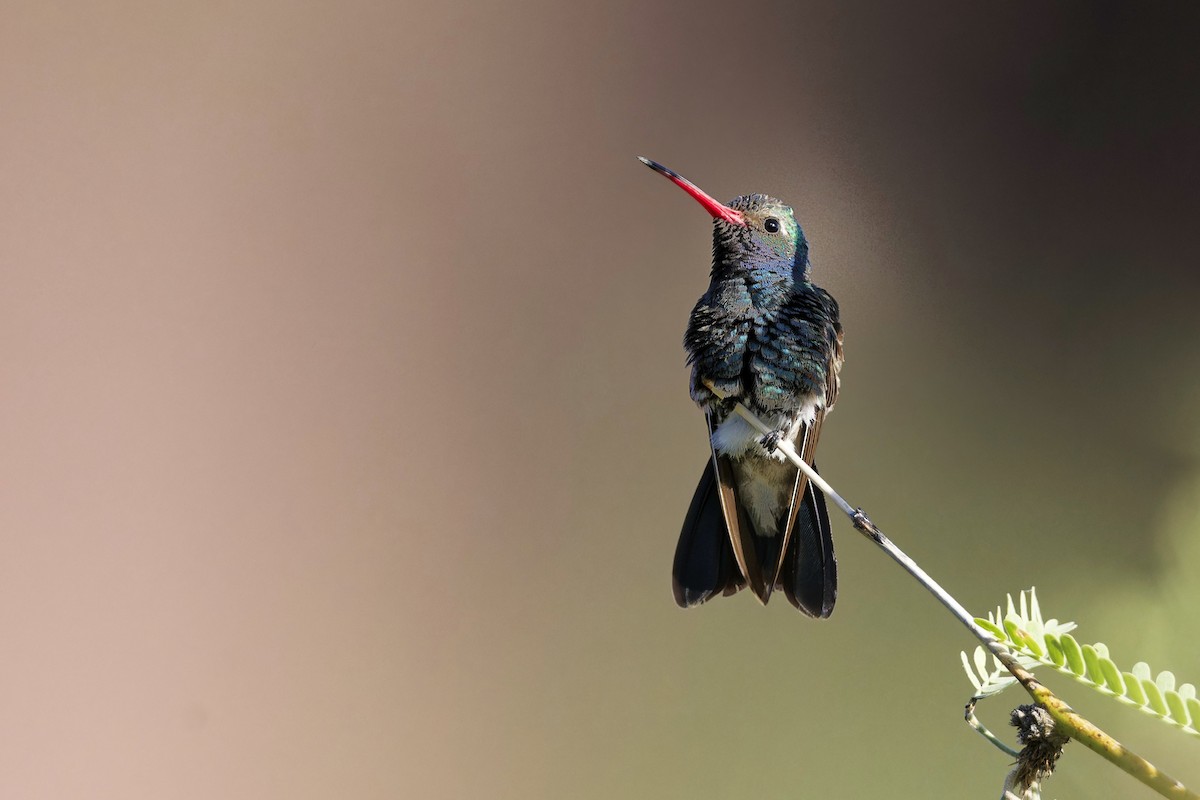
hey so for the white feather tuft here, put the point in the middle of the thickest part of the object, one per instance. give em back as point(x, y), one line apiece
point(735, 437)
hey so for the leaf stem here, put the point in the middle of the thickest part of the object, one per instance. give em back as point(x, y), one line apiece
point(973, 721)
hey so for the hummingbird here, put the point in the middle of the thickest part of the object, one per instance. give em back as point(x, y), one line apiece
point(770, 339)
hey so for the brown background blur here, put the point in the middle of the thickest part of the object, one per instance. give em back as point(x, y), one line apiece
point(344, 426)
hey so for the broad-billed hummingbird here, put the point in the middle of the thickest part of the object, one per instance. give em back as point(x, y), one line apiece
point(770, 339)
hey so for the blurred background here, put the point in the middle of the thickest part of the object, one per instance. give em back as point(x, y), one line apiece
point(345, 425)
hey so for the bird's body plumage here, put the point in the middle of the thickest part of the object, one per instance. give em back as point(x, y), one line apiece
point(782, 363)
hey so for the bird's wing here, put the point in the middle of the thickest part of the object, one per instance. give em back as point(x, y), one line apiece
point(806, 440)
point(809, 574)
point(806, 446)
point(833, 372)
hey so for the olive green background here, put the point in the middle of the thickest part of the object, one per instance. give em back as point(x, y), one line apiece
point(344, 420)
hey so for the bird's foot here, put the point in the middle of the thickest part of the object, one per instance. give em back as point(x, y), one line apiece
point(770, 442)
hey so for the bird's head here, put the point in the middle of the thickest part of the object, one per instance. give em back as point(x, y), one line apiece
point(753, 232)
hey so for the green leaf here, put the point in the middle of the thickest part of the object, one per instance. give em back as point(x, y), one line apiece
point(1031, 643)
point(1093, 664)
point(1154, 698)
point(1112, 676)
point(1133, 689)
point(1012, 629)
point(1177, 706)
point(1035, 641)
point(1073, 654)
point(1054, 649)
point(992, 628)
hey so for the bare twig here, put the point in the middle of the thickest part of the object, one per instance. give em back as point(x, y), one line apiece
point(1070, 723)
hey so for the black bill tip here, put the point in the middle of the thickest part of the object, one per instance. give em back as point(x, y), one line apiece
point(657, 167)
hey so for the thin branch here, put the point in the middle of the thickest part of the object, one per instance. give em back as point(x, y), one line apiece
point(1072, 724)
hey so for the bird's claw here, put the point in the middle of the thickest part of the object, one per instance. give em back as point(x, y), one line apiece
point(771, 441)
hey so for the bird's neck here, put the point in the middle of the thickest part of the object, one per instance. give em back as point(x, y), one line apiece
point(763, 287)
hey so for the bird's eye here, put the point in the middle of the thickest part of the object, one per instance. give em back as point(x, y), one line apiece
point(771, 225)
